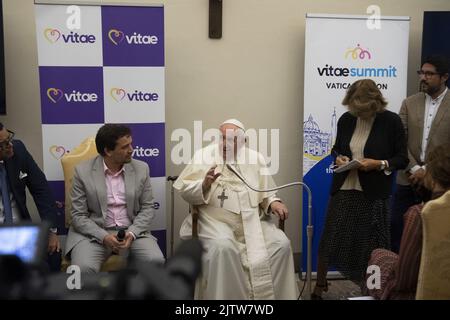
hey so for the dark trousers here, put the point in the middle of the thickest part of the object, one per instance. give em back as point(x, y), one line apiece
point(404, 197)
point(54, 262)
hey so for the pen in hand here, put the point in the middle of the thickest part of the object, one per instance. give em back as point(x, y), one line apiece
point(342, 160)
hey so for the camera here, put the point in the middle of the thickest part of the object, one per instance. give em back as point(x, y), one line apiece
point(23, 277)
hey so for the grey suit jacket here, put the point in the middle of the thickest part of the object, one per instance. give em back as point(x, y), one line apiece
point(89, 206)
point(412, 114)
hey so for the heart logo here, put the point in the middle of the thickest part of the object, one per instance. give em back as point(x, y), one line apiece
point(52, 35)
point(118, 94)
point(116, 36)
point(57, 151)
point(54, 94)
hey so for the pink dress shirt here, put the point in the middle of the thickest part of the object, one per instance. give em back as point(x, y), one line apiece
point(116, 215)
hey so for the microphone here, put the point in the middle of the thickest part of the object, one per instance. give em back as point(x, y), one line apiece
point(173, 281)
point(121, 235)
point(264, 190)
point(187, 262)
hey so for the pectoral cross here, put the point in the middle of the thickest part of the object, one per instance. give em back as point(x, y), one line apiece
point(222, 198)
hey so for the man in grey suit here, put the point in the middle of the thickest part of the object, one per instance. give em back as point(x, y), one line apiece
point(111, 192)
point(426, 118)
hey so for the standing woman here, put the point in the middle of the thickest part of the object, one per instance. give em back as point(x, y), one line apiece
point(358, 211)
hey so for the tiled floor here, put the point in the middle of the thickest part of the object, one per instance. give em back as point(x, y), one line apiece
point(337, 290)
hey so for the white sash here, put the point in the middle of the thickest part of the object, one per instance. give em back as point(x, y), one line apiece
point(239, 202)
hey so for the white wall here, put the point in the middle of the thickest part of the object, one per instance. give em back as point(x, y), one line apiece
point(254, 73)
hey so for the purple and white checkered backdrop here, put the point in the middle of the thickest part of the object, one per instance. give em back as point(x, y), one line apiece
point(111, 70)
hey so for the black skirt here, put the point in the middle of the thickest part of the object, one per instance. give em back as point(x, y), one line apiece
point(354, 227)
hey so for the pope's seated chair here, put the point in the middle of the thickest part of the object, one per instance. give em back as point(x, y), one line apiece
point(434, 273)
point(86, 150)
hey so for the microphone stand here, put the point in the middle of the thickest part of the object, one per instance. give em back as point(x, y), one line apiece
point(171, 179)
point(309, 228)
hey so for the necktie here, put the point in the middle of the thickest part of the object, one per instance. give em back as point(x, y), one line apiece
point(5, 196)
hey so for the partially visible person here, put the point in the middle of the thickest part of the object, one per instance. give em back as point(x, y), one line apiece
point(399, 273)
point(111, 192)
point(358, 211)
point(18, 171)
point(426, 119)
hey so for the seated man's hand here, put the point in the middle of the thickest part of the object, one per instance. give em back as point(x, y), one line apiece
point(53, 243)
point(126, 243)
point(111, 242)
point(209, 179)
point(279, 209)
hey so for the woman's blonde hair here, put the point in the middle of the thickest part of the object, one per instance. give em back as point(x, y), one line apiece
point(364, 99)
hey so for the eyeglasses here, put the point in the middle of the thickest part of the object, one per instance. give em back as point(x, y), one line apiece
point(4, 144)
point(426, 74)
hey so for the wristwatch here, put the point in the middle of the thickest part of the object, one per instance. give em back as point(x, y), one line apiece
point(54, 230)
point(383, 165)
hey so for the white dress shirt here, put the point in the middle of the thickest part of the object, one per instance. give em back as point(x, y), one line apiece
point(14, 209)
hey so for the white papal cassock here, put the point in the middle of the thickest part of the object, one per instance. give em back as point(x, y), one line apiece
point(247, 256)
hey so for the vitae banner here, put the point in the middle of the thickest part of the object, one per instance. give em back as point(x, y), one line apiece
point(109, 70)
point(339, 50)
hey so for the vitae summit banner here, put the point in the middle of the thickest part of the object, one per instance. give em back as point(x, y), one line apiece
point(339, 50)
point(109, 70)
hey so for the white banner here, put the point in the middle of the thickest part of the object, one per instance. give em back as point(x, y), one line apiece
point(340, 50)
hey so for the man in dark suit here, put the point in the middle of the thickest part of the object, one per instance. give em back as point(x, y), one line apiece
point(426, 118)
point(17, 171)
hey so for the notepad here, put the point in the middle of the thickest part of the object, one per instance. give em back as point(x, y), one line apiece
point(349, 166)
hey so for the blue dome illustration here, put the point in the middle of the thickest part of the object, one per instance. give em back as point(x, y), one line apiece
point(311, 126)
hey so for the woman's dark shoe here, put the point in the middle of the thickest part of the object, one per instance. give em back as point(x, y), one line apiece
point(319, 289)
point(316, 296)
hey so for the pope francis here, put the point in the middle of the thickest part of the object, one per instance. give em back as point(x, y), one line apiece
point(246, 255)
